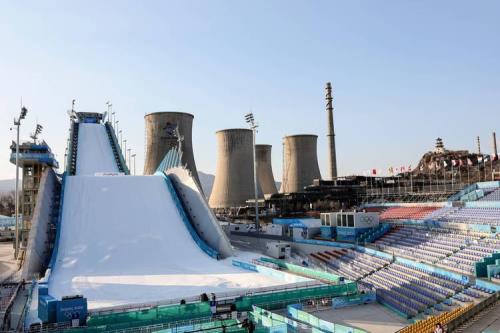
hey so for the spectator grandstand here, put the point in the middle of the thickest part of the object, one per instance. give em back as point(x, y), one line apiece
point(453, 249)
point(407, 213)
point(409, 290)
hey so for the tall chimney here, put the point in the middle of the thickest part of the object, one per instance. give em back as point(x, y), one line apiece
point(495, 152)
point(478, 146)
point(332, 155)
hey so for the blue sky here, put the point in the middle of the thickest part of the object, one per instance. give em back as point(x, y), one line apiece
point(404, 72)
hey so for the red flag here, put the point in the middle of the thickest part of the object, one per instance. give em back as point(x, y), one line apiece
point(460, 162)
point(494, 157)
point(374, 171)
point(454, 162)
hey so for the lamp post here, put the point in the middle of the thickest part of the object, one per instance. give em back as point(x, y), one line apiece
point(17, 123)
point(120, 138)
point(129, 157)
point(249, 118)
point(124, 151)
point(133, 156)
point(110, 113)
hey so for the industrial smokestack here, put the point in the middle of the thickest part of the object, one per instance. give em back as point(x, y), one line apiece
point(495, 152)
point(233, 183)
point(300, 165)
point(264, 169)
point(332, 155)
point(161, 136)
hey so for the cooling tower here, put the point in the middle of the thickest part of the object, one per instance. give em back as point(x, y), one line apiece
point(161, 136)
point(300, 165)
point(233, 183)
point(264, 169)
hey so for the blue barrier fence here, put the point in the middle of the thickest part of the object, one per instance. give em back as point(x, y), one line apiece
point(181, 209)
point(488, 285)
point(324, 243)
point(482, 204)
point(419, 265)
point(7, 221)
point(375, 252)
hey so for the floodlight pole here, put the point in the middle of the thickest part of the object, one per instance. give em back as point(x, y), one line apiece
point(17, 123)
point(133, 156)
point(129, 158)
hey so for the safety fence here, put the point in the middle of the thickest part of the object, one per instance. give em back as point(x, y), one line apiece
point(174, 313)
point(325, 326)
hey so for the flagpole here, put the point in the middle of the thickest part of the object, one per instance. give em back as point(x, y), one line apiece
point(491, 167)
point(430, 179)
point(452, 176)
point(460, 173)
point(468, 174)
point(479, 171)
point(411, 181)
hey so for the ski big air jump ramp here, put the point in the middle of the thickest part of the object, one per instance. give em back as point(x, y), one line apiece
point(126, 239)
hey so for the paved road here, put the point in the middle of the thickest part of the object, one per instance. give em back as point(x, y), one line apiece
point(7, 263)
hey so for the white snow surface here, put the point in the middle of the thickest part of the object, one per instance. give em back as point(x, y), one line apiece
point(122, 241)
point(94, 150)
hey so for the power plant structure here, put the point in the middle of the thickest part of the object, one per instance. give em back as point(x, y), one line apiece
point(264, 169)
point(233, 184)
point(495, 152)
point(300, 162)
point(332, 155)
point(165, 130)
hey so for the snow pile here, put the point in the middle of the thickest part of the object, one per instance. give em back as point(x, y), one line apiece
point(94, 150)
point(123, 241)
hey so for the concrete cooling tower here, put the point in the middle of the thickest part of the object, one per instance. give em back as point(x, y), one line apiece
point(233, 183)
point(161, 136)
point(300, 165)
point(264, 169)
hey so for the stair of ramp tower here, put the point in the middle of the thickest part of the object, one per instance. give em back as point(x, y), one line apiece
point(72, 149)
point(117, 152)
